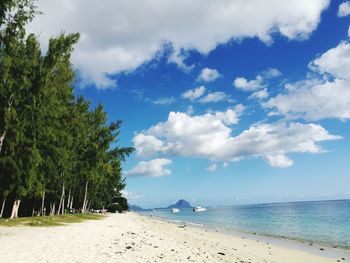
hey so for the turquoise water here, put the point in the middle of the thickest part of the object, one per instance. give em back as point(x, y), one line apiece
point(325, 222)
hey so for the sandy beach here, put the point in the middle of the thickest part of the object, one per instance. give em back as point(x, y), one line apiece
point(133, 238)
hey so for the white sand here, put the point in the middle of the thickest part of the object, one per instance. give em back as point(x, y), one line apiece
point(134, 238)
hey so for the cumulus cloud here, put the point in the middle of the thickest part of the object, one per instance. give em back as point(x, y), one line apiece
point(211, 136)
point(271, 73)
point(214, 97)
point(335, 61)
point(153, 167)
point(260, 94)
point(249, 85)
point(259, 82)
point(316, 98)
point(193, 94)
point(121, 35)
point(147, 144)
point(181, 131)
point(344, 9)
point(197, 95)
point(313, 100)
point(130, 195)
point(190, 110)
point(178, 57)
point(208, 75)
point(278, 160)
point(211, 168)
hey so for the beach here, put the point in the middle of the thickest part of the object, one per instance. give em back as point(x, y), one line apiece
point(130, 237)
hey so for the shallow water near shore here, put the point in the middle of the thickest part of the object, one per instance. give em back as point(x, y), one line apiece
point(322, 222)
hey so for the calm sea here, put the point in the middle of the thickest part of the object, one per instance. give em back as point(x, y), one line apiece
point(324, 222)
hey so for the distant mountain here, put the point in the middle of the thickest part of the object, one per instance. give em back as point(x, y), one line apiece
point(181, 204)
point(135, 207)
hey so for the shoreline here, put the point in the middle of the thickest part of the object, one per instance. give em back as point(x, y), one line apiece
point(132, 237)
point(316, 248)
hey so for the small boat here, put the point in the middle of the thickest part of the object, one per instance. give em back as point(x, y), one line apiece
point(175, 210)
point(199, 209)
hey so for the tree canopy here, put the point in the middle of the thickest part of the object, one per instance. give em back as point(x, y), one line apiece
point(56, 152)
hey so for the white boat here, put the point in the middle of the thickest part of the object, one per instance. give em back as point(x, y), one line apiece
point(199, 209)
point(175, 210)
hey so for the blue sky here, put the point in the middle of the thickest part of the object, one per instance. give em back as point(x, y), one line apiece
point(223, 106)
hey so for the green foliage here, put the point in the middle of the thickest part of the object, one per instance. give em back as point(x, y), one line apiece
point(123, 202)
point(54, 148)
point(119, 204)
point(113, 208)
point(45, 221)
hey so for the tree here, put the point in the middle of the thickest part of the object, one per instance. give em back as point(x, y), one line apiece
point(51, 143)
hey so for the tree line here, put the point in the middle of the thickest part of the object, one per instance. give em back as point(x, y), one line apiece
point(57, 153)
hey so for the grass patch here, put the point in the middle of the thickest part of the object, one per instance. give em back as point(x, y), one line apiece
point(49, 220)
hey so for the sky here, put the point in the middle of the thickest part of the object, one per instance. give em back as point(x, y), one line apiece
point(225, 102)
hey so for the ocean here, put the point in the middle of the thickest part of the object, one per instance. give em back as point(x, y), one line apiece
point(323, 222)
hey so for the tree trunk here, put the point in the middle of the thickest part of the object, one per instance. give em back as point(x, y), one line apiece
point(52, 209)
point(88, 206)
point(61, 200)
point(71, 203)
point(68, 201)
point(15, 207)
point(2, 138)
point(42, 212)
point(3, 135)
point(85, 197)
point(3, 207)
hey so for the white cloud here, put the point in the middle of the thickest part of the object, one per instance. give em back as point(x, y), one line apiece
point(314, 100)
point(271, 73)
point(259, 82)
point(140, 95)
point(210, 136)
point(178, 57)
point(121, 35)
point(249, 85)
point(197, 95)
point(281, 138)
point(190, 110)
point(279, 160)
point(147, 144)
point(193, 94)
point(335, 61)
point(153, 167)
point(184, 131)
point(349, 31)
point(322, 97)
point(208, 75)
point(214, 97)
point(260, 94)
point(130, 195)
point(211, 168)
point(163, 101)
point(344, 9)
